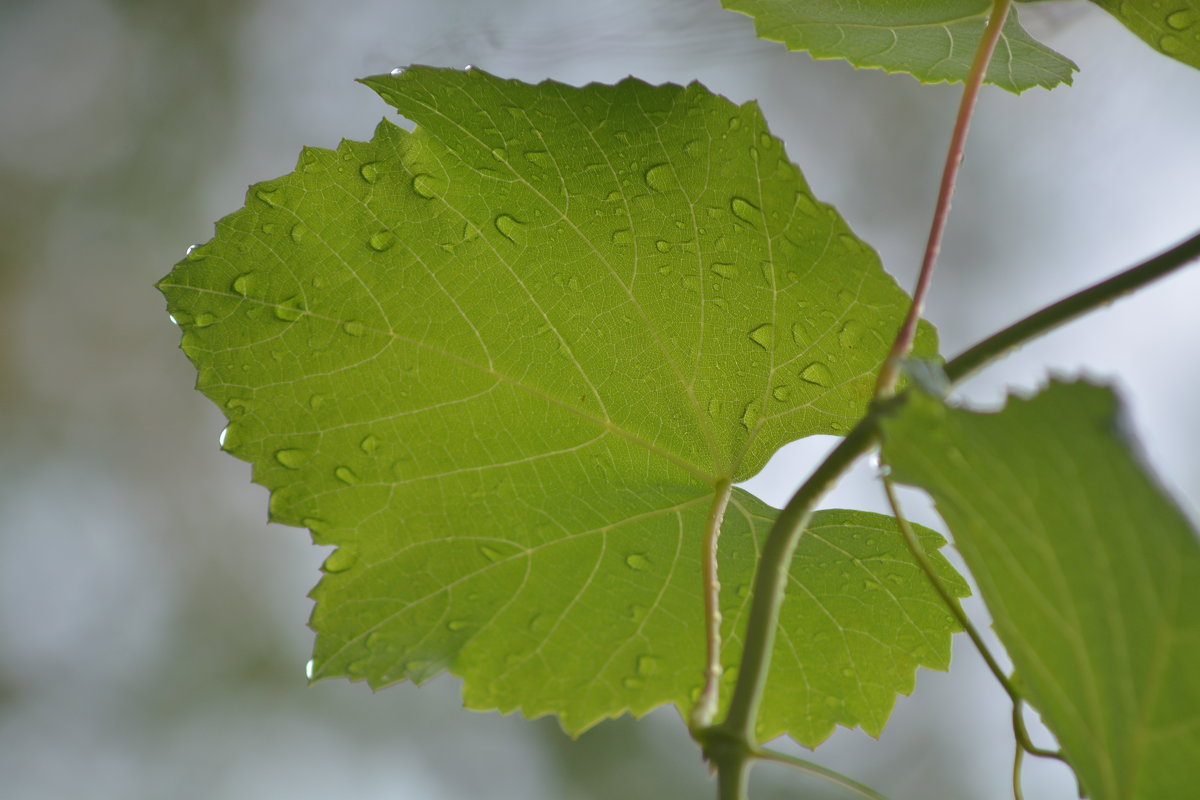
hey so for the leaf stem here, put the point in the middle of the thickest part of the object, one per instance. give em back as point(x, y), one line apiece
point(1071, 307)
point(816, 769)
point(771, 577)
point(885, 384)
point(706, 705)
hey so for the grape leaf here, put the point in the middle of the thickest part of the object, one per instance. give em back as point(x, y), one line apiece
point(1171, 28)
point(934, 41)
point(1091, 572)
point(504, 361)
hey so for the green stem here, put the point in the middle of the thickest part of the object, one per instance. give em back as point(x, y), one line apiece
point(706, 705)
point(816, 769)
point(774, 565)
point(1067, 309)
point(889, 373)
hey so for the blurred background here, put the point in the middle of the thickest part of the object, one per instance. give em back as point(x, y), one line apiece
point(152, 625)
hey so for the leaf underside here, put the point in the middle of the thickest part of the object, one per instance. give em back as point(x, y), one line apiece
point(1091, 572)
point(934, 41)
point(501, 361)
point(1171, 27)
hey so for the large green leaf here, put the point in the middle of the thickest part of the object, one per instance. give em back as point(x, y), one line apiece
point(1171, 27)
point(1090, 571)
point(934, 40)
point(503, 361)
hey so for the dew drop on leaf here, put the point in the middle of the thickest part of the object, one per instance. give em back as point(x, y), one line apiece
point(850, 336)
point(509, 228)
point(662, 246)
point(659, 177)
point(1182, 20)
point(241, 284)
point(291, 457)
point(369, 444)
point(745, 210)
point(204, 319)
point(816, 373)
point(637, 561)
point(346, 475)
point(782, 393)
point(750, 414)
point(354, 328)
point(424, 185)
point(457, 624)
point(382, 241)
point(271, 197)
point(310, 668)
point(339, 560)
point(396, 72)
point(622, 236)
point(647, 665)
point(714, 408)
point(539, 158)
point(289, 310)
point(763, 336)
point(491, 554)
point(369, 171)
point(633, 683)
point(297, 233)
point(725, 270)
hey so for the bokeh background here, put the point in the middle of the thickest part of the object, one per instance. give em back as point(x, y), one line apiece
point(152, 625)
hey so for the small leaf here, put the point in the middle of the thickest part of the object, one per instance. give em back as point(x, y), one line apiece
point(1090, 571)
point(934, 42)
point(507, 361)
point(1171, 27)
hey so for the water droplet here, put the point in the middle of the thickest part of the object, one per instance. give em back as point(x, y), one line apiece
point(851, 334)
point(291, 457)
point(356, 669)
point(633, 683)
point(310, 668)
point(236, 405)
point(729, 271)
point(637, 561)
point(354, 328)
point(622, 236)
point(660, 178)
point(806, 204)
point(763, 336)
point(457, 624)
point(743, 591)
point(745, 210)
point(381, 241)
point(369, 444)
point(204, 319)
point(499, 153)
point(369, 171)
point(316, 401)
point(647, 665)
point(396, 72)
point(346, 475)
point(750, 415)
point(271, 197)
point(290, 310)
point(297, 233)
point(765, 140)
point(241, 284)
point(1182, 20)
point(1171, 45)
point(425, 185)
point(339, 560)
point(490, 553)
point(734, 123)
point(509, 228)
point(539, 158)
point(816, 373)
point(714, 408)
point(782, 393)
point(191, 255)
point(173, 319)
point(662, 246)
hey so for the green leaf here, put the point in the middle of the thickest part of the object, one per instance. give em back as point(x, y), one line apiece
point(858, 617)
point(1171, 27)
point(1091, 572)
point(502, 361)
point(934, 41)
